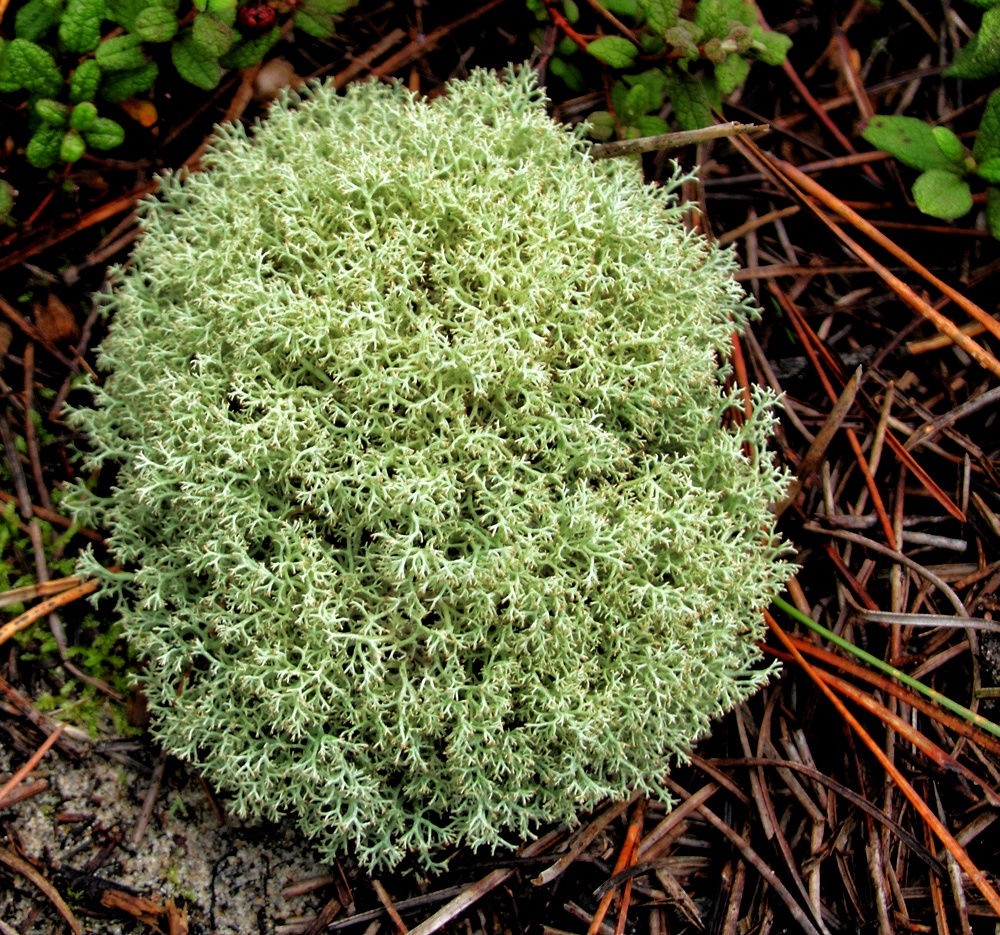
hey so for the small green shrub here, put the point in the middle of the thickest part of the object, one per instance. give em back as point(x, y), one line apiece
point(70, 55)
point(694, 63)
point(942, 189)
point(437, 531)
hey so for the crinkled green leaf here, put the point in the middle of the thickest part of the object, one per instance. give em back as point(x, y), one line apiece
point(635, 106)
point(84, 116)
point(121, 53)
point(104, 134)
point(716, 18)
point(71, 146)
point(987, 142)
point(250, 51)
point(660, 15)
point(333, 7)
point(8, 83)
point(36, 18)
point(769, 46)
point(942, 194)
point(601, 126)
point(568, 73)
point(949, 144)
point(651, 125)
point(990, 170)
point(156, 24)
point(684, 38)
point(52, 112)
point(211, 35)
point(620, 7)
point(42, 150)
point(731, 73)
point(655, 83)
point(121, 85)
point(690, 99)
point(80, 28)
point(34, 69)
point(313, 23)
point(910, 140)
point(83, 83)
point(194, 65)
point(980, 57)
point(614, 51)
point(125, 12)
point(993, 211)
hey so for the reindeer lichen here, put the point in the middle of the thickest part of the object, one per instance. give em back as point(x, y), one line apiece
point(435, 529)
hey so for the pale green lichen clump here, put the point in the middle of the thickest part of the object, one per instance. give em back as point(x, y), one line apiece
point(436, 530)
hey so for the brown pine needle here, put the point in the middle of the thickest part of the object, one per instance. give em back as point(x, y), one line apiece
point(35, 759)
point(45, 608)
point(21, 866)
point(920, 806)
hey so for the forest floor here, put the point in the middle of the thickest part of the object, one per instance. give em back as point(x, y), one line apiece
point(838, 799)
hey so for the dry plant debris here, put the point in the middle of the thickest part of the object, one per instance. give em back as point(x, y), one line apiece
point(785, 820)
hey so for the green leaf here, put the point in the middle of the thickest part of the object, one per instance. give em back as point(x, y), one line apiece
point(250, 51)
point(731, 73)
point(987, 142)
point(8, 84)
point(655, 83)
point(194, 65)
point(156, 24)
point(980, 58)
point(942, 194)
point(211, 35)
point(36, 18)
point(83, 117)
point(636, 105)
point(42, 150)
point(52, 112)
point(569, 74)
point(614, 51)
point(125, 12)
point(601, 126)
point(121, 53)
point(949, 144)
point(7, 195)
point(743, 12)
point(652, 126)
point(121, 85)
point(910, 140)
point(225, 10)
point(993, 211)
point(684, 39)
point(770, 47)
point(319, 25)
point(571, 11)
point(84, 81)
point(71, 147)
point(990, 170)
point(566, 47)
point(621, 7)
point(34, 69)
point(660, 15)
point(333, 7)
point(80, 29)
point(712, 17)
point(104, 134)
point(690, 99)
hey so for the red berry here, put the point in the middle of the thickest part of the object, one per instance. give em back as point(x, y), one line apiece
point(256, 17)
